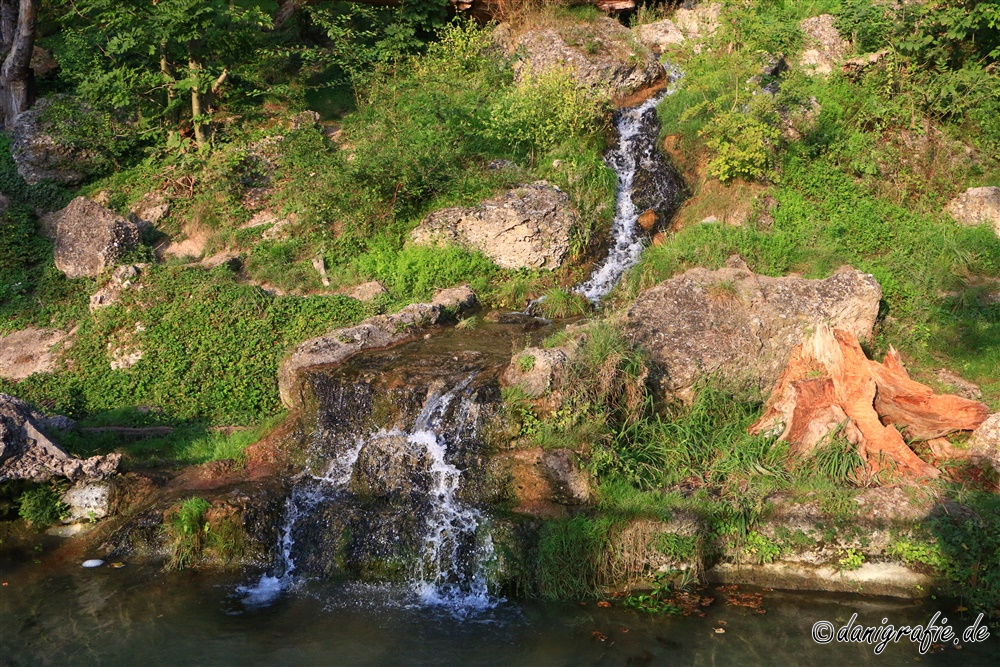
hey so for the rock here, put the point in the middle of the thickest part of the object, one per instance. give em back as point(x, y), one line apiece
point(536, 370)
point(977, 206)
point(701, 21)
point(279, 231)
point(57, 423)
point(27, 453)
point(855, 67)
point(367, 291)
point(122, 279)
point(740, 326)
point(28, 351)
point(656, 185)
point(4, 203)
point(659, 36)
point(605, 58)
point(39, 155)
point(564, 469)
point(375, 332)
point(659, 239)
point(87, 501)
point(824, 46)
point(91, 238)
point(527, 227)
point(148, 212)
point(391, 467)
point(320, 265)
point(984, 445)
point(962, 386)
point(42, 62)
point(648, 220)
point(304, 120)
point(229, 259)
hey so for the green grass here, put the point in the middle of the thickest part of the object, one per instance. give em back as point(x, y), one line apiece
point(211, 347)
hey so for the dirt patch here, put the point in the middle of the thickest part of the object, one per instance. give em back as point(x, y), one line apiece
point(29, 351)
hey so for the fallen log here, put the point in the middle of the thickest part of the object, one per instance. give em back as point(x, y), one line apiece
point(830, 386)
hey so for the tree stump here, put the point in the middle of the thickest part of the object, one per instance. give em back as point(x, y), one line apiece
point(829, 384)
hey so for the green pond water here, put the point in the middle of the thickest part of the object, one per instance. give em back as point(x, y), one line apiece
point(67, 615)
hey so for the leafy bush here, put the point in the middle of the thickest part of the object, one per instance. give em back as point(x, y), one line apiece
point(744, 147)
point(42, 506)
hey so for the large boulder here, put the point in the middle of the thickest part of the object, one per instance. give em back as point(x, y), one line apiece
point(825, 49)
point(375, 332)
point(90, 238)
point(26, 452)
point(977, 206)
point(602, 54)
point(700, 21)
point(527, 227)
point(39, 154)
point(741, 327)
point(658, 36)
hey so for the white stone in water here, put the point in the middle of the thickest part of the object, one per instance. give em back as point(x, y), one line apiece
point(93, 562)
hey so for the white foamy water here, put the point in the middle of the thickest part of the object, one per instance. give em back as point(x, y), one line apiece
point(450, 570)
point(627, 243)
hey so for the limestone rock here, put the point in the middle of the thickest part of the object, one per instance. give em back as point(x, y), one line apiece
point(602, 55)
point(375, 332)
point(367, 291)
point(42, 62)
point(87, 501)
point(659, 36)
point(27, 453)
point(38, 153)
point(122, 279)
point(90, 238)
point(28, 351)
point(976, 206)
point(536, 370)
point(564, 469)
point(741, 326)
point(527, 227)
point(149, 211)
point(701, 21)
point(391, 467)
point(824, 47)
point(984, 444)
point(962, 386)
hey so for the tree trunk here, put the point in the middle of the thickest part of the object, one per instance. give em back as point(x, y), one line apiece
point(17, 81)
point(197, 107)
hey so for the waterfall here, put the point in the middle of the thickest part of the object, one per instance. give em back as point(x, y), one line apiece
point(635, 152)
point(454, 545)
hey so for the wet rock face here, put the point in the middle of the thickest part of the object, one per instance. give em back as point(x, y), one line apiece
point(657, 185)
point(90, 238)
point(527, 227)
point(743, 326)
point(28, 453)
point(38, 153)
point(603, 56)
point(376, 332)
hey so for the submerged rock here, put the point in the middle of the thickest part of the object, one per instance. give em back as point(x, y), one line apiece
point(740, 326)
point(91, 238)
point(27, 453)
point(527, 227)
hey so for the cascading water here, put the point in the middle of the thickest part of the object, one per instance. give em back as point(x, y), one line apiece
point(639, 166)
point(452, 546)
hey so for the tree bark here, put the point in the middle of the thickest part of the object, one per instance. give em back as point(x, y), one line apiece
point(200, 133)
point(17, 80)
point(830, 386)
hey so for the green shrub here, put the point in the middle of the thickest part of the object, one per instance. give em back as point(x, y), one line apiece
point(744, 147)
point(42, 506)
point(187, 530)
